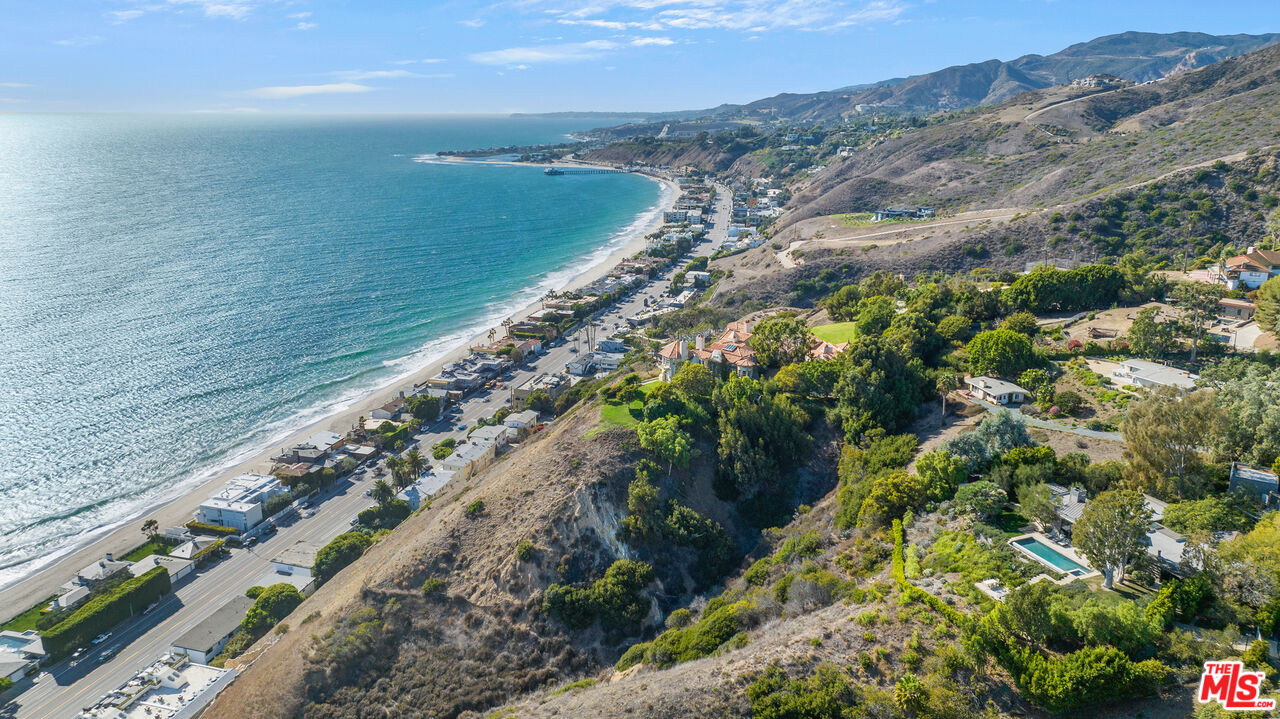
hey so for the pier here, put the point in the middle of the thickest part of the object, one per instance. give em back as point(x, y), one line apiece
point(580, 171)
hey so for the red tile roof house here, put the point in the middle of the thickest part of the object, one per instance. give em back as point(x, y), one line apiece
point(1249, 270)
point(729, 354)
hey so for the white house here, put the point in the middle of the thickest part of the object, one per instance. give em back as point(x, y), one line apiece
point(525, 419)
point(469, 459)
point(1145, 373)
point(497, 434)
point(202, 642)
point(996, 391)
point(297, 560)
point(99, 571)
point(172, 688)
point(20, 652)
point(239, 503)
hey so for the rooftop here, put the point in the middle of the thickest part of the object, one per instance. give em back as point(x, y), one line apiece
point(299, 554)
point(244, 491)
point(995, 386)
point(215, 627)
point(168, 687)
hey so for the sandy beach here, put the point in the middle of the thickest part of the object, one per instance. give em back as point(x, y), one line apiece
point(23, 594)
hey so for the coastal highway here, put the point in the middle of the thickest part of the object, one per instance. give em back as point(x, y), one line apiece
point(62, 690)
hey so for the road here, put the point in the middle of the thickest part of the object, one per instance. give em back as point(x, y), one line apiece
point(1052, 426)
point(64, 690)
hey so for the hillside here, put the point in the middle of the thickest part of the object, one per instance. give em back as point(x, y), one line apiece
point(1134, 56)
point(1060, 145)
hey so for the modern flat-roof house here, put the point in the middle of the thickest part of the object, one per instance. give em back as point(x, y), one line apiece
point(552, 384)
point(202, 642)
point(611, 344)
point(469, 459)
point(497, 434)
point(996, 391)
point(296, 560)
point(239, 503)
point(1256, 483)
point(174, 687)
point(1148, 374)
point(521, 420)
point(730, 354)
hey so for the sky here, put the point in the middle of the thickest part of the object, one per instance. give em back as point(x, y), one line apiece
point(396, 56)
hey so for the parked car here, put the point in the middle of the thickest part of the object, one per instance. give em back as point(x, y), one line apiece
point(250, 541)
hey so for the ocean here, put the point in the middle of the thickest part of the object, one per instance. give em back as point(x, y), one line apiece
point(179, 292)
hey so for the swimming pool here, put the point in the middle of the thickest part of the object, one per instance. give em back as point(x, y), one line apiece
point(1050, 556)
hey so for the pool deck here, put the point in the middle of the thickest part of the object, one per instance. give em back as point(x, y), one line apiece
point(1068, 552)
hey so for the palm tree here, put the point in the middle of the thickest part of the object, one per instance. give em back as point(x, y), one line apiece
point(492, 333)
point(395, 466)
point(413, 464)
point(948, 382)
point(382, 492)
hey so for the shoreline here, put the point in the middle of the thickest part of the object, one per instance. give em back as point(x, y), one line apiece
point(44, 581)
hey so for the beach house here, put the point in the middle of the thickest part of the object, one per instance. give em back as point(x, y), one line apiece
point(238, 504)
point(202, 642)
point(20, 653)
point(469, 459)
point(174, 687)
point(297, 562)
point(100, 571)
point(177, 567)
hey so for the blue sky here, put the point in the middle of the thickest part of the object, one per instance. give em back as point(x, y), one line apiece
point(388, 56)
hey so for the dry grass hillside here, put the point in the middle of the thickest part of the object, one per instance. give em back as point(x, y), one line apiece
point(371, 641)
point(1049, 147)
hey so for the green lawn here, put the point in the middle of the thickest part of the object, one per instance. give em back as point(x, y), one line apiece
point(836, 333)
point(620, 414)
point(27, 620)
point(146, 550)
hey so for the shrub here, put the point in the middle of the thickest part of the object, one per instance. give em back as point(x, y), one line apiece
point(615, 599)
point(214, 529)
point(1095, 675)
point(524, 550)
point(338, 553)
point(475, 509)
point(717, 626)
point(105, 611)
point(825, 694)
point(434, 586)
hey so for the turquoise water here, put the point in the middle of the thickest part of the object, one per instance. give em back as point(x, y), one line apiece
point(1051, 555)
point(178, 292)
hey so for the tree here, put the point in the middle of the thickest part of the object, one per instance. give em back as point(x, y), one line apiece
point(891, 495)
point(539, 401)
point(381, 492)
point(954, 328)
point(694, 382)
point(1216, 513)
point(1022, 322)
point(1033, 379)
point(1067, 401)
point(273, 604)
point(1198, 305)
point(666, 440)
point(151, 529)
point(982, 498)
point(842, 305)
point(1248, 394)
point(1148, 336)
point(781, 340)
point(946, 383)
point(1163, 433)
point(874, 315)
point(338, 553)
point(1038, 503)
point(1268, 301)
point(1000, 353)
point(1112, 532)
point(879, 386)
point(941, 474)
point(413, 465)
point(762, 437)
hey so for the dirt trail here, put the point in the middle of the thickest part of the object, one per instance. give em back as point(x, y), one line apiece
point(862, 234)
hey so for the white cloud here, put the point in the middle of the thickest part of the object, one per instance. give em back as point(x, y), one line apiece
point(11, 99)
point(299, 15)
point(473, 22)
point(358, 75)
point(563, 52)
point(121, 16)
point(644, 41)
point(14, 84)
point(740, 15)
point(306, 26)
point(235, 11)
point(80, 41)
point(428, 61)
point(287, 92)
